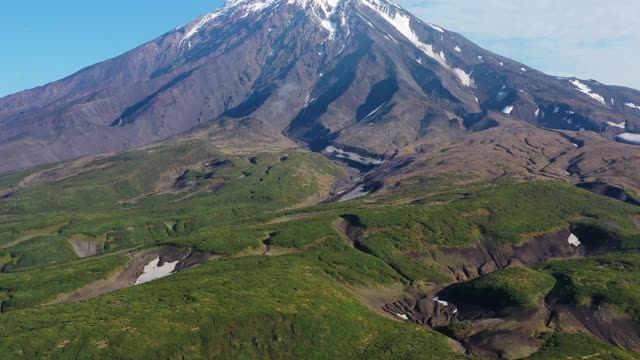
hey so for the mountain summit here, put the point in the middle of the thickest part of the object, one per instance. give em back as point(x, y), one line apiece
point(362, 76)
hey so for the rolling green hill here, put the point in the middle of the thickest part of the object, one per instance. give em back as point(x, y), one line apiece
point(288, 275)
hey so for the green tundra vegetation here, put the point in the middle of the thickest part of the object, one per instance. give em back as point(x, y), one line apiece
point(301, 299)
point(606, 281)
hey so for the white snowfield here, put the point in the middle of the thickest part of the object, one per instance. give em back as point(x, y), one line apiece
point(508, 110)
point(152, 271)
point(633, 106)
point(325, 12)
point(320, 10)
point(441, 302)
point(573, 240)
point(588, 91)
point(402, 316)
point(621, 125)
point(629, 138)
point(200, 24)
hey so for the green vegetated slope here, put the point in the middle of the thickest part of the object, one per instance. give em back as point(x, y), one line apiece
point(253, 307)
point(24, 289)
point(611, 281)
point(295, 303)
point(561, 346)
point(150, 196)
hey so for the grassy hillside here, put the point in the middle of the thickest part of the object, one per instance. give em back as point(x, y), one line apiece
point(611, 281)
point(288, 275)
point(253, 307)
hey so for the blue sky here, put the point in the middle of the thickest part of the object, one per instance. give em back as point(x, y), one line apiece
point(43, 40)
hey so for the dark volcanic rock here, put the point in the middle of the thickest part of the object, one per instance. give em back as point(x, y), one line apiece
point(607, 190)
point(607, 325)
point(466, 263)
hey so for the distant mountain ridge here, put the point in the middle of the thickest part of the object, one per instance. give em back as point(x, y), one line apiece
point(363, 76)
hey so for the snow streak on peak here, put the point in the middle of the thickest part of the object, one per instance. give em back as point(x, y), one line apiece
point(325, 12)
point(248, 6)
point(401, 21)
point(587, 91)
point(204, 20)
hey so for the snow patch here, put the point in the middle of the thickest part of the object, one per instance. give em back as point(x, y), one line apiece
point(537, 112)
point(632, 105)
point(587, 91)
point(402, 316)
point(204, 20)
point(629, 138)
point(573, 240)
point(508, 110)
point(329, 8)
point(373, 112)
point(621, 125)
point(464, 78)
point(152, 271)
point(436, 28)
point(457, 49)
point(441, 302)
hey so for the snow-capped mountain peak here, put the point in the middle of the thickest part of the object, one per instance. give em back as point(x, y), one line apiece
point(365, 77)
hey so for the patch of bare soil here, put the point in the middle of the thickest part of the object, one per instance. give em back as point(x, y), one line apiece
point(124, 278)
point(423, 308)
point(85, 247)
point(610, 326)
point(511, 334)
point(466, 263)
point(375, 298)
point(350, 229)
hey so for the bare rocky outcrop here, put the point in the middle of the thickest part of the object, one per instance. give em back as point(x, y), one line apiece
point(466, 263)
point(608, 325)
point(85, 247)
point(513, 332)
point(424, 309)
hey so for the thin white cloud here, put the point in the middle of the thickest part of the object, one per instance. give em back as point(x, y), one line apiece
point(583, 38)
